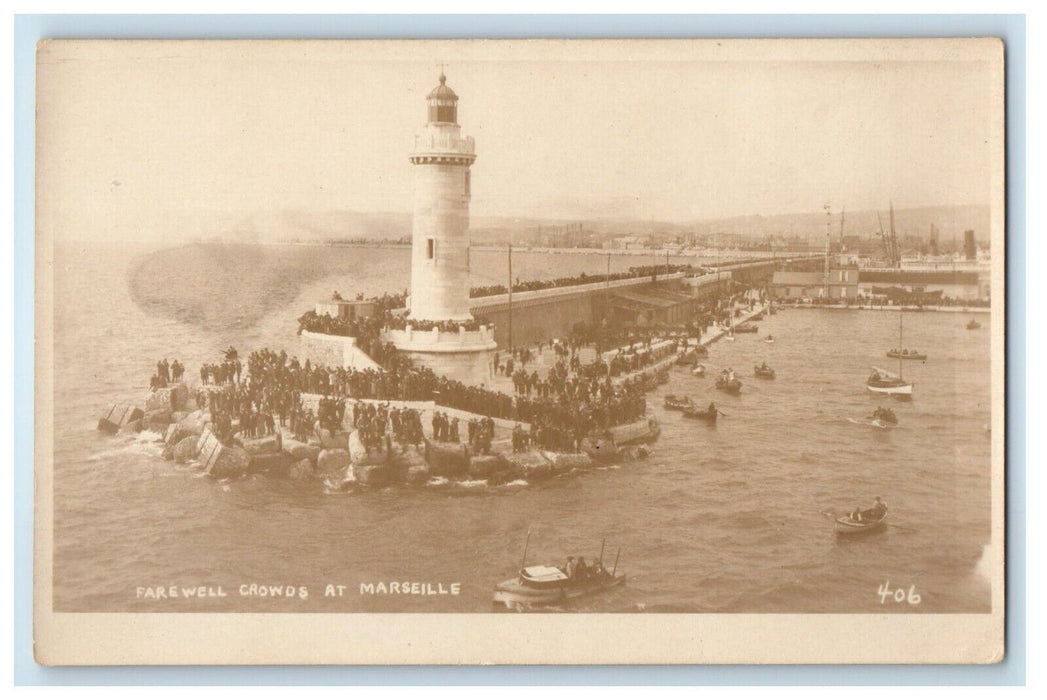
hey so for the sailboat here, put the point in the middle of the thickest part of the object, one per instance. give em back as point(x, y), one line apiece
point(883, 382)
point(902, 353)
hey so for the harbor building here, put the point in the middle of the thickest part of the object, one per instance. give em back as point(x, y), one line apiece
point(440, 331)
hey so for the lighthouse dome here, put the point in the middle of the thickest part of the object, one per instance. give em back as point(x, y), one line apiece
point(443, 103)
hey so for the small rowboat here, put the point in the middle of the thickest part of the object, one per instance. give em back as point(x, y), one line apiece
point(845, 527)
point(973, 325)
point(906, 355)
point(678, 403)
point(706, 415)
point(763, 372)
point(731, 386)
point(546, 585)
point(698, 371)
point(747, 328)
point(688, 357)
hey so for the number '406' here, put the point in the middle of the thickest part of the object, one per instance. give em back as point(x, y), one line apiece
point(898, 595)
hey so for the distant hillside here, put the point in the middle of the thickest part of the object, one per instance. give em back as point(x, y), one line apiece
point(288, 225)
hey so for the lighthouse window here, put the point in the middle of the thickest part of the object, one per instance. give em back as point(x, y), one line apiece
point(430, 248)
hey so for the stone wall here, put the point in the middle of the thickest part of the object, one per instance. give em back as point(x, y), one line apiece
point(333, 351)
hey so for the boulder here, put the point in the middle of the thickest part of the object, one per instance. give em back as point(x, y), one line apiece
point(271, 462)
point(230, 462)
point(158, 415)
point(117, 417)
point(501, 477)
point(447, 459)
point(194, 422)
point(357, 451)
point(563, 462)
point(185, 449)
point(134, 426)
point(379, 474)
point(337, 441)
point(173, 398)
point(262, 445)
point(175, 434)
point(332, 461)
point(178, 416)
point(418, 474)
point(531, 465)
point(301, 470)
point(297, 450)
point(169, 452)
point(483, 466)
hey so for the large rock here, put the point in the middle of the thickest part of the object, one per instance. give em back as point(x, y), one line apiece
point(173, 398)
point(117, 417)
point(193, 423)
point(262, 445)
point(483, 466)
point(130, 427)
point(271, 463)
point(563, 462)
point(379, 474)
point(230, 462)
point(185, 449)
point(357, 451)
point(418, 474)
point(330, 461)
point(530, 465)
point(447, 459)
point(298, 450)
point(176, 433)
point(301, 470)
point(337, 441)
point(158, 415)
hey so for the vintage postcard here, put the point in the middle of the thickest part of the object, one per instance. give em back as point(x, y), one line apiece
point(520, 352)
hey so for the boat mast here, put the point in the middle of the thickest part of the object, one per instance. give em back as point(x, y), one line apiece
point(523, 563)
point(900, 313)
point(511, 298)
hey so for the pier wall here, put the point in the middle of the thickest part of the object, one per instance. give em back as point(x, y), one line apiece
point(543, 314)
point(333, 350)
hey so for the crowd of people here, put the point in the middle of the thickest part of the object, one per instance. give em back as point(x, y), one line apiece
point(583, 278)
point(572, 401)
point(166, 373)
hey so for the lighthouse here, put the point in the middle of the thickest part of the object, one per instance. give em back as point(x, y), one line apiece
point(441, 157)
point(440, 332)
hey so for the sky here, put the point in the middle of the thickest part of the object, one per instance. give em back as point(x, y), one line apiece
point(164, 139)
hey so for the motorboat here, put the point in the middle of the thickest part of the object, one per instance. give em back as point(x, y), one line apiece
point(763, 372)
point(547, 585)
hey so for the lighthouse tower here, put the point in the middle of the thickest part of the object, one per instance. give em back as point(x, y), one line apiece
point(440, 236)
point(455, 345)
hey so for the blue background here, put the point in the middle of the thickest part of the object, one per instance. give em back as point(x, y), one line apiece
point(31, 28)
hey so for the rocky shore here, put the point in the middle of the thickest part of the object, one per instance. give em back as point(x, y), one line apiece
point(340, 458)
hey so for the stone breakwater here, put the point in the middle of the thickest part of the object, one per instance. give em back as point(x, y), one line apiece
point(339, 458)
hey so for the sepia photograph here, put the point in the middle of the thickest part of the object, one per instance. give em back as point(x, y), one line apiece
point(395, 341)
